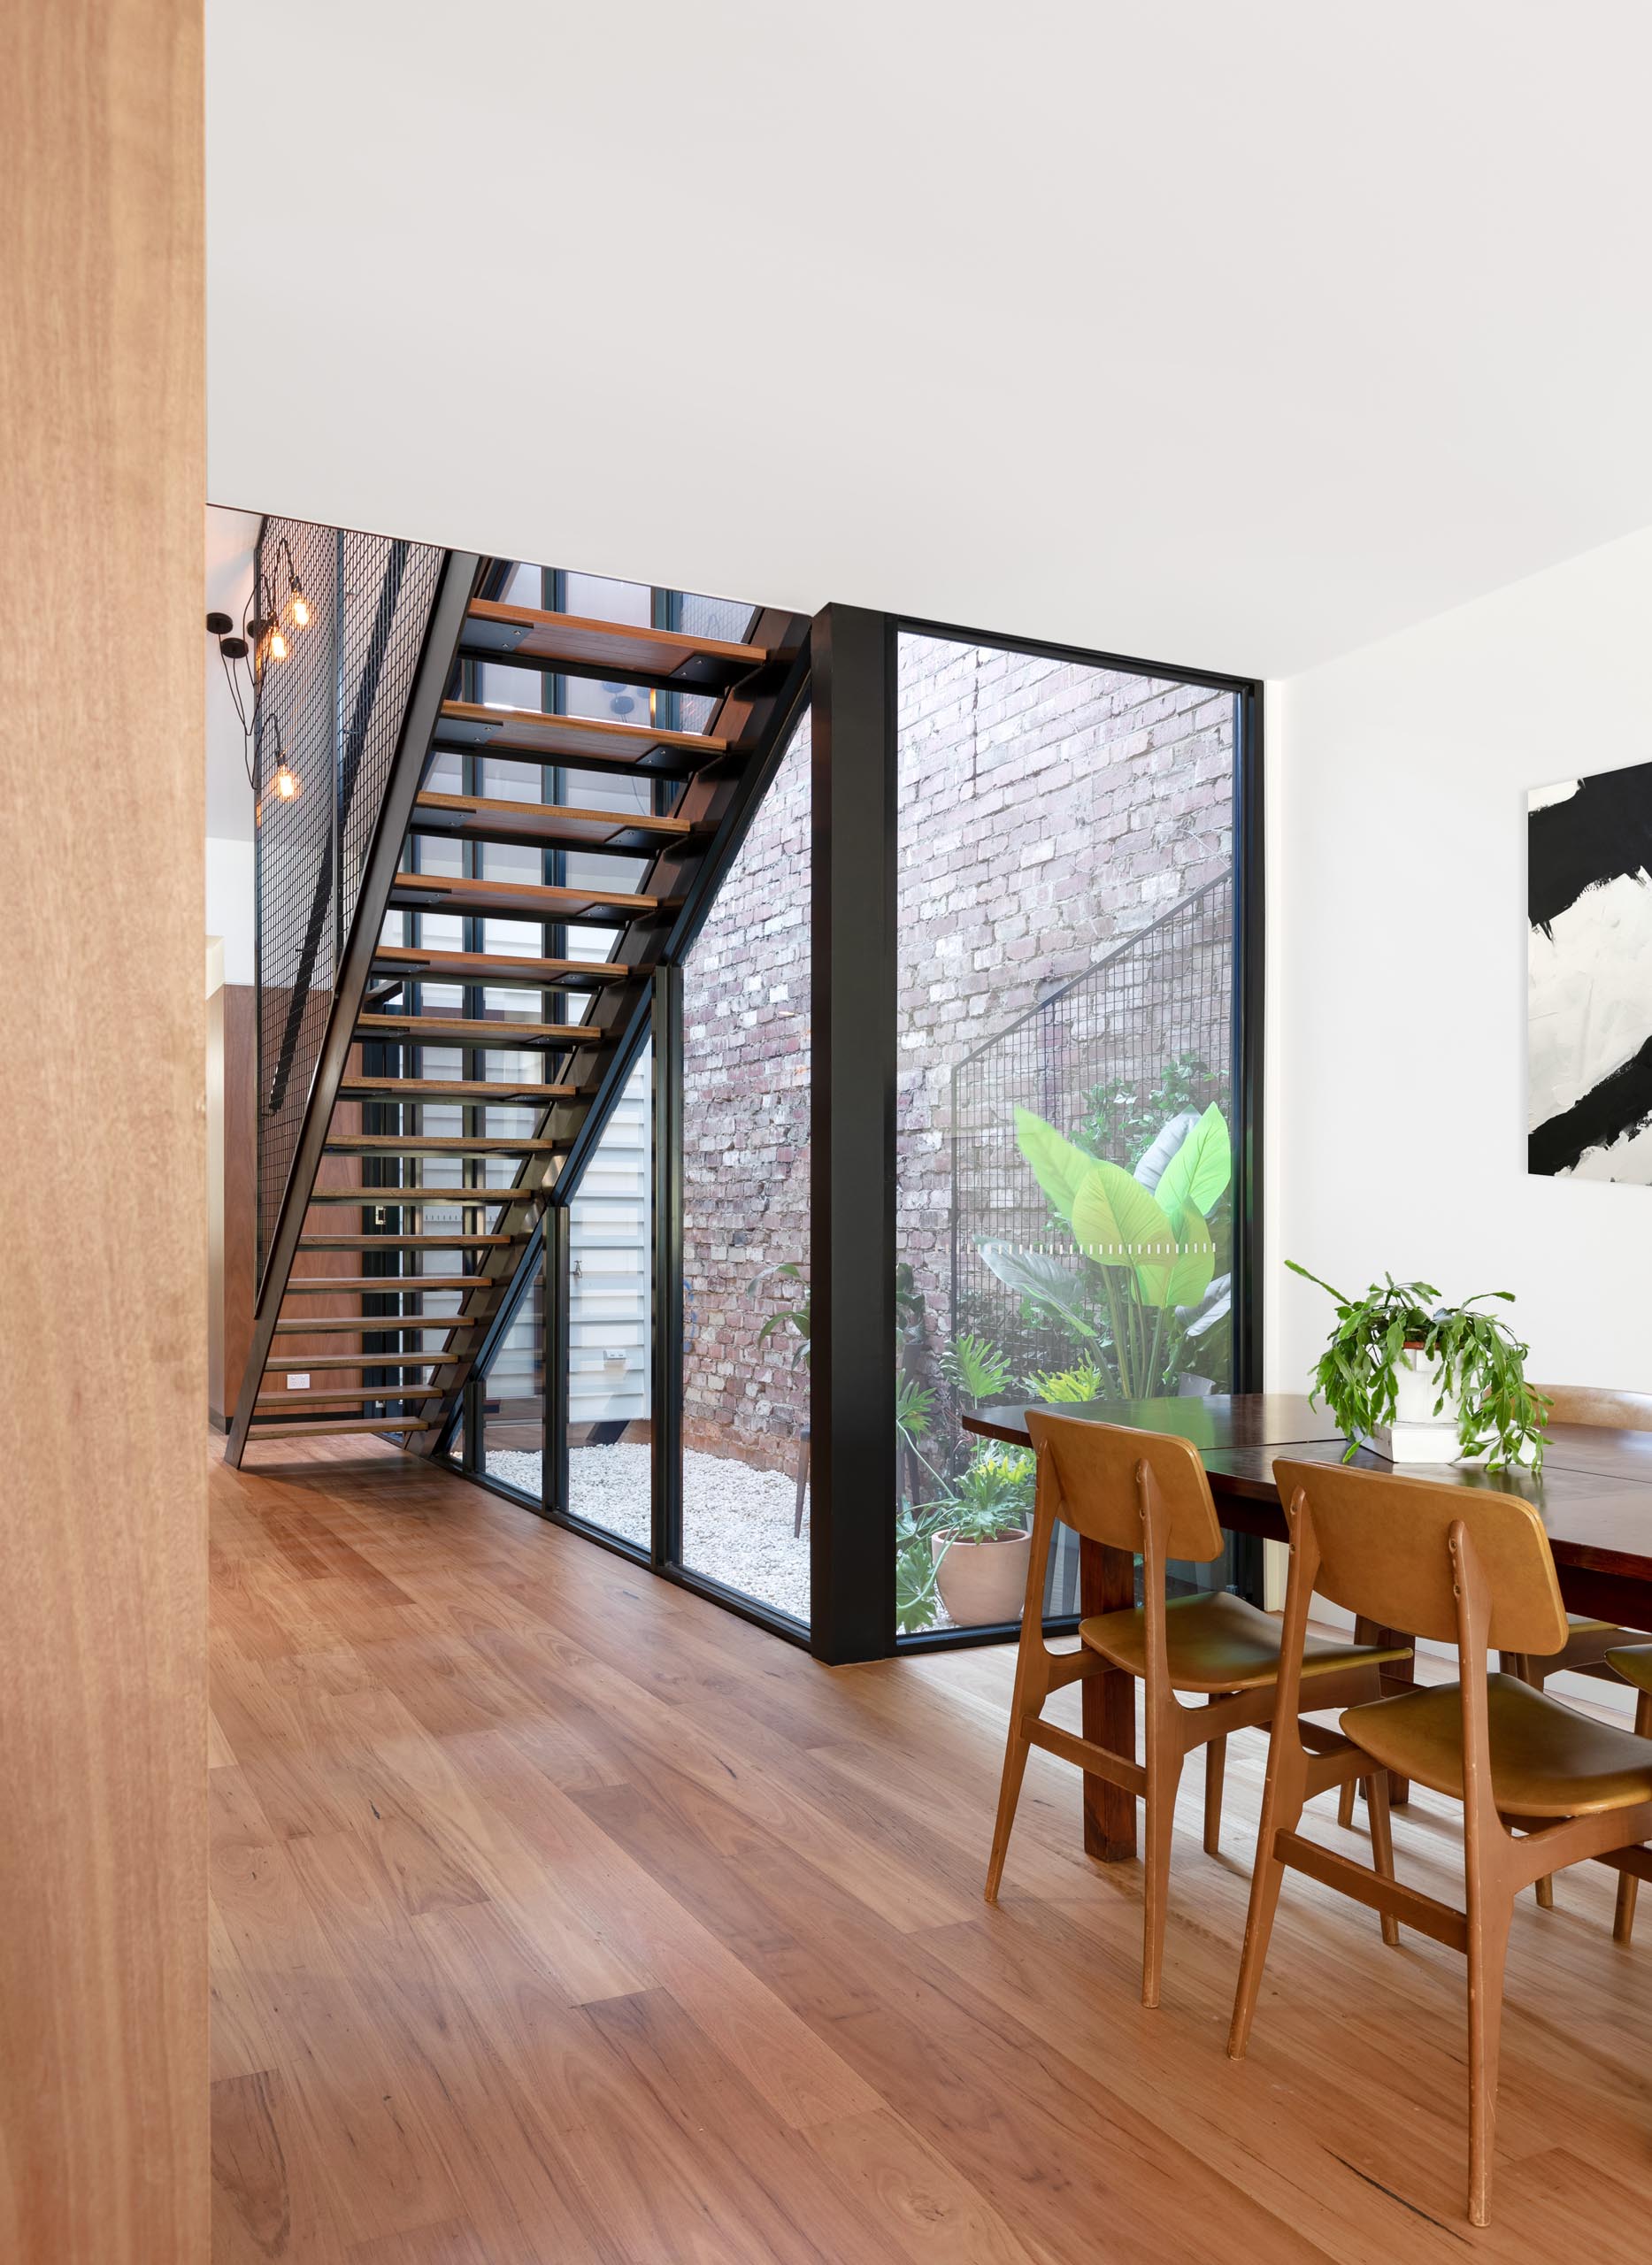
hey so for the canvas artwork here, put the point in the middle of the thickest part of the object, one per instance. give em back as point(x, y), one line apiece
point(1589, 976)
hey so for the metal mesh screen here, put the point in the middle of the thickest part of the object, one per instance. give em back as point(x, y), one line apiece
point(1144, 1032)
point(332, 711)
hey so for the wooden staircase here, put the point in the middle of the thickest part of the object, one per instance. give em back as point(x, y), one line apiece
point(368, 1168)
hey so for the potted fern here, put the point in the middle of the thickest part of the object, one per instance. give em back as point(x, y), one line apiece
point(1424, 1382)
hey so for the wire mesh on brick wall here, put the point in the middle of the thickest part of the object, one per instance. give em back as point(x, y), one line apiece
point(1154, 1017)
point(333, 710)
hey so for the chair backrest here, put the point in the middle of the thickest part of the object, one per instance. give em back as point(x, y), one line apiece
point(1593, 1403)
point(1384, 1552)
point(1094, 1468)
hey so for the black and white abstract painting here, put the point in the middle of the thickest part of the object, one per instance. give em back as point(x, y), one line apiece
point(1589, 976)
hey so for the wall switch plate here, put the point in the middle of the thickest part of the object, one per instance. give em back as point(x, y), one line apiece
point(299, 1382)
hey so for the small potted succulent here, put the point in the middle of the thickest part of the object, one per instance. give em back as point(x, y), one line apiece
point(1424, 1382)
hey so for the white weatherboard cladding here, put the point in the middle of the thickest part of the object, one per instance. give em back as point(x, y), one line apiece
point(610, 1308)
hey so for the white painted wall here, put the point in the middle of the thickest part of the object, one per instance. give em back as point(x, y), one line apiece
point(1397, 950)
point(229, 886)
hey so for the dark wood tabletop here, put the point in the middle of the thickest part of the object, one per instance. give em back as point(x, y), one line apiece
point(1594, 1493)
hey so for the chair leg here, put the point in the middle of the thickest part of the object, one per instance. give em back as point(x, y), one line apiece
point(1345, 1806)
point(803, 1488)
point(1624, 1917)
point(1215, 1771)
point(1488, 1945)
point(1382, 1845)
point(1015, 1753)
point(1281, 1812)
point(1161, 1826)
point(1519, 1665)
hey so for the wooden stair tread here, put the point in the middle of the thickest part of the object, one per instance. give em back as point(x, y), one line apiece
point(501, 1036)
point(439, 1144)
point(393, 1197)
point(502, 968)
point(407, 1242)
point(375, 1285)
point(695, 662)
point(539, 737)
point(379, 1325)
point(266, 1429)
point(304, 1364)
point(477, 817)
point(286, 1400)
point(381, 1091)
point(520, 900)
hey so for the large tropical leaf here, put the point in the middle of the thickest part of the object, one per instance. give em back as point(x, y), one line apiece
point(1117, 1223)
point(1186, 1282)
point(1216, 1305)
point(1150, 1170)
point(1048, 1281)
point(1058, 1165)
point(1201, 1168)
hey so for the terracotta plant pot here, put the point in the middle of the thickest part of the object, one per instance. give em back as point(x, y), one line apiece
point(981, 1582)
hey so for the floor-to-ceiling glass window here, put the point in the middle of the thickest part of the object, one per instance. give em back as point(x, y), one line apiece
point(745, 1212)
point(1064, 1142)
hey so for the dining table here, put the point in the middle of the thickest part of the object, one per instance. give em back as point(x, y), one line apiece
point(1593, 1494)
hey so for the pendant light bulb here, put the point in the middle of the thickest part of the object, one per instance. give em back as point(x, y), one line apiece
point(300, 609)
point(286, 784)
point(278, 643)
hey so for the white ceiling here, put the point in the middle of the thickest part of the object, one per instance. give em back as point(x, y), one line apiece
point(1220, 335)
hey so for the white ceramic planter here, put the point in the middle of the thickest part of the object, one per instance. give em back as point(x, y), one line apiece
point(1416, 1435)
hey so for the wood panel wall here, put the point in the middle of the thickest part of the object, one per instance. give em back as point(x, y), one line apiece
point(103, 1310)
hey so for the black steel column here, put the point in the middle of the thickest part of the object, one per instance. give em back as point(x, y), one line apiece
point(553, 1471)
point(852, 1322)
point(666, 1392)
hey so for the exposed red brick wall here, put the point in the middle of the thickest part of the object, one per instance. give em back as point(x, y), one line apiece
point(1047, 812)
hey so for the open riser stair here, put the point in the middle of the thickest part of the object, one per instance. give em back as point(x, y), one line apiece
point(494, 985)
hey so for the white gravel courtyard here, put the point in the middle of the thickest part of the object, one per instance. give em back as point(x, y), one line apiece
point(736, 1521)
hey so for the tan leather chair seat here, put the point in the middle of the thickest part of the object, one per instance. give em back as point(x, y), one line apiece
point(1635, 1664)
point(1545, 1761)
point(1217, 1642)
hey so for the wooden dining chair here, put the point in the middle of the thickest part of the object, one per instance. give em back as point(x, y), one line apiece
point(1589, 1643)
point(1542, 1788)
point(1634, 1663)
point(1144, 1492)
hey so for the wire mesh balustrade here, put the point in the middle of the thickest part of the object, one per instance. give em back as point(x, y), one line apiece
point(331, 711)
point(1142, 1036)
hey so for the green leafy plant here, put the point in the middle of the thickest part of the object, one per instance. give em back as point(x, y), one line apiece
point(1145, 1253)
point(915, 1590)
point(1083, 1382)
point(1480, 1363)
point(990, 1499)
point(974, 1367)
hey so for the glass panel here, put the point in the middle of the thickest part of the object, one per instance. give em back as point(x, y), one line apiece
point(611, 1321)
point(746, 1097)
point(1066, 930)
point(513, 1397)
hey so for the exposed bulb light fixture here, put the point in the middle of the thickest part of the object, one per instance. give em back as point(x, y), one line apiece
point(301, 606)
point(286, 786)
point(278, 643)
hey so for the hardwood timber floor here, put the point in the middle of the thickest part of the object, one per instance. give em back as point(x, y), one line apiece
point(560, 1916)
